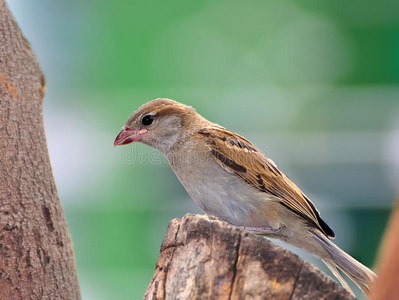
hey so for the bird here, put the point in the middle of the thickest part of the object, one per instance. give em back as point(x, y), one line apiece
point(231, 179)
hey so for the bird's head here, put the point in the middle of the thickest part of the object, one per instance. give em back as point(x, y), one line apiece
point(160, 123)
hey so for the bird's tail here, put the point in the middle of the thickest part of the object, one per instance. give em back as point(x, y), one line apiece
point(360, 274)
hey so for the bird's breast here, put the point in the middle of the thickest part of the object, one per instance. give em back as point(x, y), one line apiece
point(223, 194)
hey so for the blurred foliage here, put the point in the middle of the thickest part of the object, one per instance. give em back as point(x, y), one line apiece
point(313, 83)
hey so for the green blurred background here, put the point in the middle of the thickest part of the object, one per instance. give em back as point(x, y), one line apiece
point(312, 83)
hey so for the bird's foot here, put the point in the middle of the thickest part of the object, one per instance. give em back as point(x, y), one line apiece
point(262, 230)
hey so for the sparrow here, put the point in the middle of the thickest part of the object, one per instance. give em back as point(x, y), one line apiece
point(228, 177)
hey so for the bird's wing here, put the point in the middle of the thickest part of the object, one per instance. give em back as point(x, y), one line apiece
point(236, 154)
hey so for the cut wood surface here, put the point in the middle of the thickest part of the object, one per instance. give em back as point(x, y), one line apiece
point(36, 257)
point(204, 258)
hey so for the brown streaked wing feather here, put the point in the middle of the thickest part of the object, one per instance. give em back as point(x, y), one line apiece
point(238, 155)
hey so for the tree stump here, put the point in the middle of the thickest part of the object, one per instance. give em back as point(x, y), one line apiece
point(204, 258)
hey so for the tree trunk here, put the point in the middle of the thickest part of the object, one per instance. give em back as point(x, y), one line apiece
point(204, 258)
point(387, 285)
point(36, 257)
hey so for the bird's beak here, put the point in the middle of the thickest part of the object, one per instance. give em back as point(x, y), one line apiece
point(128, 135)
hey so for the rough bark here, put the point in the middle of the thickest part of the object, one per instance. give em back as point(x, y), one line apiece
point(36, 258)
point(387, 285)
point(204, 258)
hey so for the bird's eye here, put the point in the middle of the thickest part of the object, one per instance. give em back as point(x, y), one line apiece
point(147, 119)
